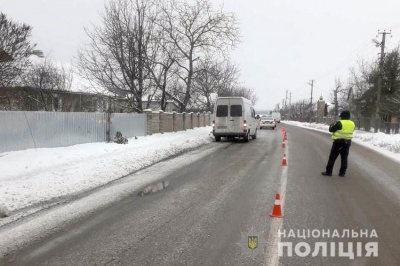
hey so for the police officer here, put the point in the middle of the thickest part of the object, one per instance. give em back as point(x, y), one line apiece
point(342, 135)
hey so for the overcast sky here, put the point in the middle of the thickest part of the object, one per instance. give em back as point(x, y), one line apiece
point(285, 43)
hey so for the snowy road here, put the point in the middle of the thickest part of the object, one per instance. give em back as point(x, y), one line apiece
point(212, 205)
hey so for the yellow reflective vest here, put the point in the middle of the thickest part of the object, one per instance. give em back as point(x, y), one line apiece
point(347, 130)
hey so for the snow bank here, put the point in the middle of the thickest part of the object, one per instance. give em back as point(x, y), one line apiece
point(386, 141)
point(34, 176)
point(389, 144)
point(3, 211)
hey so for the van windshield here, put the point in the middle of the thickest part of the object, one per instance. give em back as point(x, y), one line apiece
point(236, 110)
point(222, 110)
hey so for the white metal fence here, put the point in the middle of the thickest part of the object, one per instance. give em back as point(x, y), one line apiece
point(130, 125)
point(23, 130)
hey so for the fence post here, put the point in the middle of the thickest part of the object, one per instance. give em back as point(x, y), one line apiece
point(173, 121)
point(395, 124)
point(184, 117)
point(161, 119)
point(368, 123)
point(149, 115)
point(108, 125)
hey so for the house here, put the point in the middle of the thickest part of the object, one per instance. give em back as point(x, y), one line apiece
point(156, 106)
point(33, 99)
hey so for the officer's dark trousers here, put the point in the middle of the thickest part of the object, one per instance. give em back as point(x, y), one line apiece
point(339, 146)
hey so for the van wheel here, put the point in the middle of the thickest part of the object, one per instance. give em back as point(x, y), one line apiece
point(246, 137)
point(217, 138)
point(255, 135)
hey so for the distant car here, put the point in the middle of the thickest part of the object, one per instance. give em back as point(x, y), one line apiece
point(267, 122)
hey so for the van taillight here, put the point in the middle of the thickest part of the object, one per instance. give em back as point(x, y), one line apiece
point(244, 123)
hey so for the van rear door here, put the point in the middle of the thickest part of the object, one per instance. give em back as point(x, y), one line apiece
point(236, 110)
point(221, 116)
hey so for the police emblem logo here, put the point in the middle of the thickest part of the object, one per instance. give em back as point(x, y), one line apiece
point(252, 242)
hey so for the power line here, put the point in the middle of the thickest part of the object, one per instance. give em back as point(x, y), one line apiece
point(344, 62)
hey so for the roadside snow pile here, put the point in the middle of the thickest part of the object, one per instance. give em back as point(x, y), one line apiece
point(3, 211)
point(385, 141)
point(32, 176)
point(389, 142)
point(322, 127)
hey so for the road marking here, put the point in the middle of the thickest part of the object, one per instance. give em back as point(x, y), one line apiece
point(271, 255)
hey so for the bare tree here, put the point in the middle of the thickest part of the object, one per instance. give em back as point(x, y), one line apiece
point(362, 82)
point(161, 64)
point(47, 81)
point(15, 48)
point(213, 78)
point(116, 57)
point(300, 110)
point(339, 96)
point(240, 91)
point(390, 102)
point(195, 29)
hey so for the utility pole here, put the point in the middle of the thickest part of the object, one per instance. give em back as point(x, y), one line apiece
point(382, 45)
point(286, 100)
point(285, 112)
point(290, 104)
point(312, 87)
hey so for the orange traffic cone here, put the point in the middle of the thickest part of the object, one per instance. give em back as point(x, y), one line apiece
point(276, 211)
point(285, 137)
point(283, 144)
point(284, 163)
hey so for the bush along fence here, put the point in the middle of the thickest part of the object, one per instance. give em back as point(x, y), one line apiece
point(367, 124)
point(160, 122)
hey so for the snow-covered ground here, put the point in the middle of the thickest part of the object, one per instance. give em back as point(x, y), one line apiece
point(139, 153)
point(388, 145)
point(32, 178)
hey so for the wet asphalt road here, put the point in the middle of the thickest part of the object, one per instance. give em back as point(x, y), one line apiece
point(210, 208)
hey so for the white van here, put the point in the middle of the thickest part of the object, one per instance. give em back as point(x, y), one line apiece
point(277, 117)
point(234, 117)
